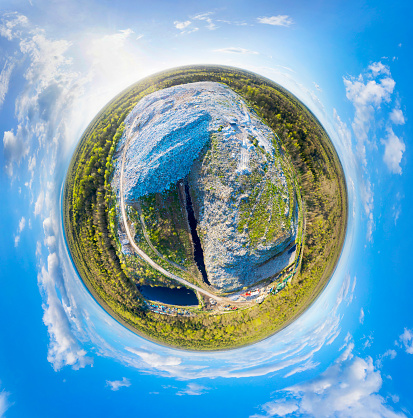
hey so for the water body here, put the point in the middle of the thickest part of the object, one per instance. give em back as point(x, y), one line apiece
point(198, 251)
point(181, 297)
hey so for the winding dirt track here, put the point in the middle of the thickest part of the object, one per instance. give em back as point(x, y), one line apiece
point(145, 257)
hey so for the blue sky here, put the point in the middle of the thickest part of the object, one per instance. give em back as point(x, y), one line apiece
point(351, 354)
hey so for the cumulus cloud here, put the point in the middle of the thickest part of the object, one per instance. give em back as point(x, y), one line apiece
point(51, 88)
point(379, 68)
point(182, 25)
point(394, 148)
point(371, 93)
point(277, 409)
point(117, 384)
point(44, 111)
point(236, 50)
point(348, 388)
point(39, 204)
point(22, 224)
point(185, 27)
point(10, 23)
point(279, 20)
point(193, 389)
point(406, 339)
point(366, 97)
point(64, 349)
point(397, 117)
point(15, 148)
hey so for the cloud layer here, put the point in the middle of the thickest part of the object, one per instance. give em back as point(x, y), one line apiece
point(46, 111)
point(347, 389)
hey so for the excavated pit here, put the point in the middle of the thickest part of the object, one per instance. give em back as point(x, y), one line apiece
point(198, 251)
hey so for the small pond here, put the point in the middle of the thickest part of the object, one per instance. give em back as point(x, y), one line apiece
point(182, 296)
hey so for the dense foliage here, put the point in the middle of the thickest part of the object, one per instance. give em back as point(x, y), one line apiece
point(89, 216)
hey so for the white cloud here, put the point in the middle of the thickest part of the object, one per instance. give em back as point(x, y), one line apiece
point(22, 224)
point(366, 98)
point(367, 197)
point(236, 23)
point(391, 354)
point(15, 148)
point(379, 68)
point(182, 25)
point(317, 86)
point(49, 91)
point(4, 402)
point(291, 351)
point(308, 365)
point(407, 340)
point(347, 389)
point(236, 50)
point(117, 384)
point(44, 110)
point(397, 117)
point(206, 17)
point(64, 349)
point(368, 341)
point(47, 59)
point(193, 389)
point(9, 24)
point(38, 249)
point(368, 93)
point(5, 79)
point(393, 152)
point(279, 20)
point(32, 163)
point(39, 204)
point(397, 208)
point(344, 133)
point(277, 409)
point(361, 317)
point(155, 360)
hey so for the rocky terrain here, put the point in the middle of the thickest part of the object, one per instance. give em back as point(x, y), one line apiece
point(241, 184)
point(246, 205)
